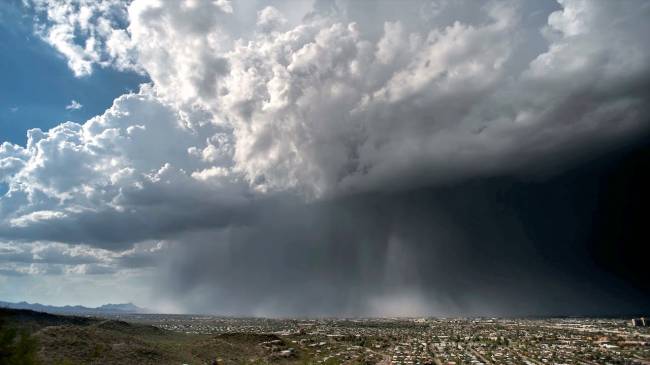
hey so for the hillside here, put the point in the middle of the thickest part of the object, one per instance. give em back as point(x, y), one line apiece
point(80, 340)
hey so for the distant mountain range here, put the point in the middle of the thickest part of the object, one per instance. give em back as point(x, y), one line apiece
point(125, 308)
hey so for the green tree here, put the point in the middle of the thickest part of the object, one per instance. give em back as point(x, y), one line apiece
point(16, 348)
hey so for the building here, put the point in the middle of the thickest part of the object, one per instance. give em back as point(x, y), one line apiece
point(640, 322)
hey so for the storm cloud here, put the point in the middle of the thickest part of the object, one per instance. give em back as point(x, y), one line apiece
point(344, 158)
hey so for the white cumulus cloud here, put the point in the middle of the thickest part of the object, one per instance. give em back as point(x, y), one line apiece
point(323, 107)
point(74, 105)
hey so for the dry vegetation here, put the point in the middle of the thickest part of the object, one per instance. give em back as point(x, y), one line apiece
point(78, 340)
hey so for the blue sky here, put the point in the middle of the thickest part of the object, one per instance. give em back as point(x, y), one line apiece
point(37, 83)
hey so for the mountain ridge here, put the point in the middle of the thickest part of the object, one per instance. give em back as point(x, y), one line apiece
point(120, 308)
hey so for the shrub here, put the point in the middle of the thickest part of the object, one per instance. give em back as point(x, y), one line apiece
point(16, 348)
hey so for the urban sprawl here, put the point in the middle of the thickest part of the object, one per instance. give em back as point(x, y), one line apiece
point(417, 341)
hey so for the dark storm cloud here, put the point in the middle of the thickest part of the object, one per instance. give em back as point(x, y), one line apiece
point(492, 246)
point(119, 230)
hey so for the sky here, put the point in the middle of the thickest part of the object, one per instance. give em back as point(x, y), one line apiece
point(37, 84)
point(326, 158)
